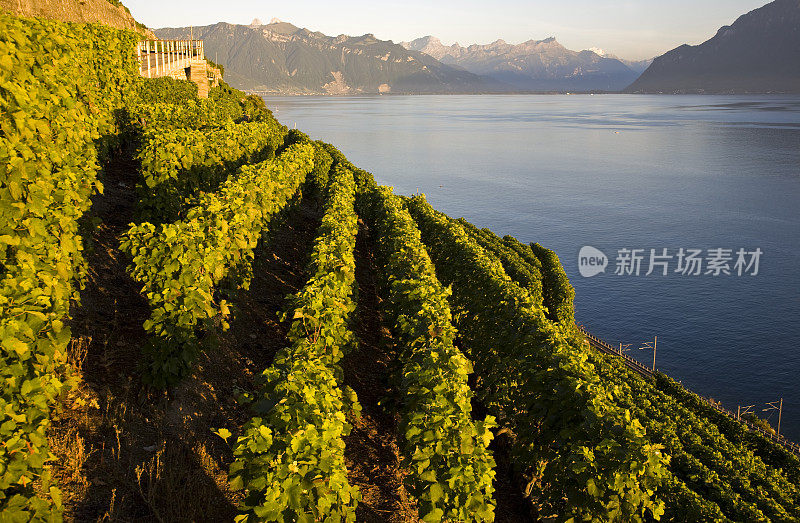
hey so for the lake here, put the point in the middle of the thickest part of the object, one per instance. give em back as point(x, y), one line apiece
point(629, 173)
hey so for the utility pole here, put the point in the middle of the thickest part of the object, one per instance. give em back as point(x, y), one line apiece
point(651, 345)
point(655, 344)
point(776, 405)
point(740, 412)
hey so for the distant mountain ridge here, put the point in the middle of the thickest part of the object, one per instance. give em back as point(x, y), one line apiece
point(537, 65)
point(758, 53)
point(637, 66)
point(281, 58)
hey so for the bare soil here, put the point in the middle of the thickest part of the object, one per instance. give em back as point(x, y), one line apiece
point(372, 451)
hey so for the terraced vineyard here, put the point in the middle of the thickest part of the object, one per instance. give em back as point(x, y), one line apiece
point(245, 326)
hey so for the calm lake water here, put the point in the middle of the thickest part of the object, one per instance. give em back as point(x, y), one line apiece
point(618, 172)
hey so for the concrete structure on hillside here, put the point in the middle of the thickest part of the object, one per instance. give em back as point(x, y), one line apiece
point(179, 59)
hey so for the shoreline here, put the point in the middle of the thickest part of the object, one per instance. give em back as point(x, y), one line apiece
point(263, 94)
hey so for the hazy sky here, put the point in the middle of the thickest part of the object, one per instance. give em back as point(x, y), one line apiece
point(632, 29)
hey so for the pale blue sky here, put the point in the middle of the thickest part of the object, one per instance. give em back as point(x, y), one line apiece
point(629, 29)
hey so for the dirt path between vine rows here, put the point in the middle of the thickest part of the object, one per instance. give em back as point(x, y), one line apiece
point(372, 450)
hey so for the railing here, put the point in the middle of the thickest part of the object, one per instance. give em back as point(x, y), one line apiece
point(609, 349)
point(789, 445)
point(644, 371)
point(167, 57)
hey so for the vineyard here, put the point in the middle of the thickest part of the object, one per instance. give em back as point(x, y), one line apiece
point(207, 316)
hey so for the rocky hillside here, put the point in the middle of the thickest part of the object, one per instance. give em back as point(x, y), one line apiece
point(539, 65)
point(108, 12)
point(759, 53)
point(283, 59)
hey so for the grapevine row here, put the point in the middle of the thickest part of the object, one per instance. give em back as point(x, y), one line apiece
point(583, 456)
point(178, 163)
point(527, 276)
point(223, 105)
point(558, 292)
point(773, 455)
point(191, 114)
point(57, 104)
point(319, 177)
point(452, 469)
point(179, 264)
point(743, 486)
point(162, 90)
point(289, 458)
point(364, 180)
point(536, 269)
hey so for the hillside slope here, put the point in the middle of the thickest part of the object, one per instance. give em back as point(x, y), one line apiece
point(538, 65)
point(281, 58)
point(759, 53)
point(265, 334)
point(113, 14)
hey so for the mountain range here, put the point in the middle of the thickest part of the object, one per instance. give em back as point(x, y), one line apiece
point(535, 65)
point(279, 58)
point(758, 53)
